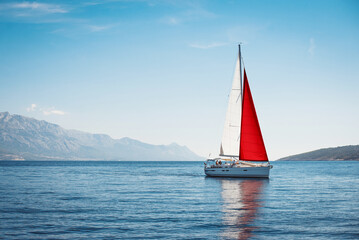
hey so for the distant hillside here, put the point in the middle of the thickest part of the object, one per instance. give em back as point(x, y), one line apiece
point(23, 138)
point(350, 152)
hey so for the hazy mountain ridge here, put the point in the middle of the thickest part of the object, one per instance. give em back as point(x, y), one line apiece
point(343, 153)
point(23, 138)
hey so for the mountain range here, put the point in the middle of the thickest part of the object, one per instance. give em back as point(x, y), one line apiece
point(342, 153)
point(23, 138)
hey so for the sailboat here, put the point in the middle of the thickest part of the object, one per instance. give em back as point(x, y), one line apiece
point(242, 150)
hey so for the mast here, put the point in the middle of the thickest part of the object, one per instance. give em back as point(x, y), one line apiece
point(241, 84)
point(242, 136)
point(240, 68)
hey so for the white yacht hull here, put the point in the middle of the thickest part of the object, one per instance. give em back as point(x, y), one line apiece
point(244, 172)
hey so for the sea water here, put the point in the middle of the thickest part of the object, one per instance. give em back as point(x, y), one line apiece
point(175, 200)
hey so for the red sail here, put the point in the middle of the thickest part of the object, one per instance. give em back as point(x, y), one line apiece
point(251, 145)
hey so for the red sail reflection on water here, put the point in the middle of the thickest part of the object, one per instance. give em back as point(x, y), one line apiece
point(241, 201)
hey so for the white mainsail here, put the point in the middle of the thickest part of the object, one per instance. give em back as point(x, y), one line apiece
point(232, 125)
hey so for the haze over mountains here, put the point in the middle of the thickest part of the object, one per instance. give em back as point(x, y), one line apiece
point(23, 138)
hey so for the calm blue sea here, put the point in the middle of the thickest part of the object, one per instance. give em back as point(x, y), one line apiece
point(174, 200)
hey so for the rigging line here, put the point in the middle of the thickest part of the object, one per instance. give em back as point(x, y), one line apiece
point(239, 96)
point(243, 62)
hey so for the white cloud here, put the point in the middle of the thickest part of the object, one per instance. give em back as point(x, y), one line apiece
point(207, 46)
point(311, 46)
point(97, 28)
point(43, 7)
point(192, 12)
point(30, 9)
point(46, 111)
point(31, 108)
point(51, 112)
point(171, 20)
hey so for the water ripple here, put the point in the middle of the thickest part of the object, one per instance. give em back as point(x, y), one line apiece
point(174, 200)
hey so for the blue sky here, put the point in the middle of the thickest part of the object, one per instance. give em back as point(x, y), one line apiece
point(161, 71)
